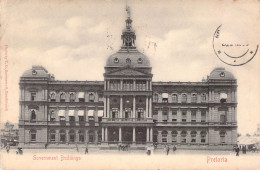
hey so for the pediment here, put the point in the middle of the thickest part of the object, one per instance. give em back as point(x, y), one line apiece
point(128, 72)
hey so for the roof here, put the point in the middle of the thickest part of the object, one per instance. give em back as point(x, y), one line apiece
point(220, 73)
point(36, 71)
point(128, 57)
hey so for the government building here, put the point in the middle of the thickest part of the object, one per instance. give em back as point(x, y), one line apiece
point(127, 107)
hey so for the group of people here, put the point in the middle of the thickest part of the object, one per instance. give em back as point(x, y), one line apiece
point(167, 149)
point(237, 149)
point(18, 152)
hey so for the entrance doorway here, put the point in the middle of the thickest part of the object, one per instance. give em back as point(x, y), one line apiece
point(127, 134)
point(113, 134)
point(140, 135)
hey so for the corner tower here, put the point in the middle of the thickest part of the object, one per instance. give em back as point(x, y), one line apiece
point(128, 93)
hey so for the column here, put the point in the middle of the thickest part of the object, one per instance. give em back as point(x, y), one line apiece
point(150, 84)
point(147, 134)
point(77, 136)
point(134, 107)
point(57, 136)
point(121, 107)
point(96, 136)
point(150, 108)
point(213, 96)
point(105, 84)
point(121, 84)
point(169, 137)
point(159, 137)
point(108, 84)
point(103, 132)
point(146, 108)
point(67, 136)
point(106, 139)
point(120, 134)
point(133, 134)
point(108, 107)
point(198, 137)
point(147, 85)
point(134, 85)
point(210, 95)
point(105, 107)
point(151, 134)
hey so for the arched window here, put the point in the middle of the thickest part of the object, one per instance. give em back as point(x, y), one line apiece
point(52, 115)
point(184, 98)
point(62, 136)
point(53, 96)
point(164, 136)
point(32, 135)
point(193, 136)
point(128, 61)
point(72, 97)
point(33, 115)
point(81, 136)
point(222, 135)
point(174, 136)
point(175, 98)
point(203, 136)
point(203, 97)
point(194, 98)
point(52, 135)
point(223, 97)
point(91, 97)
point(62, 97)
point(72, 135)
point(183, 136)
point(155, 98)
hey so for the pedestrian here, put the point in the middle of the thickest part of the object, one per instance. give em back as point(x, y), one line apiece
point(174, 148)
point(77, 147)
point(244, 149)
point(167, 149)
point(46, 146)
point(7, 148)
point(237, 151)
point(86, 150)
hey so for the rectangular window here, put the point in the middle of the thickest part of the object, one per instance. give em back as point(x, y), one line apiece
point(81, 100)
point(223, 119)
point(183, 140)
point(72, 138)
point(62, 137)
point(203, 140)
point(81, 138)
point(33, 96)
point(193, 116)
point(174, 139)
point(81, 118)
point(174, 115)
point(52, 137)
point(72, 118)
point(203, 116)
point(184, 116)
point(193, 140)
point(62, 118)
point(33, 137)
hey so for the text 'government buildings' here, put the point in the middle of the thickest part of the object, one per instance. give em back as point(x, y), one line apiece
point(128, 107)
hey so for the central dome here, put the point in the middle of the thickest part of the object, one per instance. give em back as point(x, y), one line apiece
point(130, 57)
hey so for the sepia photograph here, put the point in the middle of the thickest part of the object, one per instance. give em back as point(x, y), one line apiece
point(130, 84)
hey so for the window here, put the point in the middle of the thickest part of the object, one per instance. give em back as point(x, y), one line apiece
point(62, 97)
point(72, 118)
point(203, 97)
point(193, 116)
point(99, 136)
point(52, 116)
point(174, 98)
point(155, 136)
point(91, 97)
point(165, 115)
point(140, 61)
point(33, 115)
point(91, 136)
point(81, 136)
point(33, 96)
point(223, 97)
point(203, 116)
point(165, 97)
point(155, 98)
point(183, 136)
point(62, 136)
point(72, 97)
point(222, 137)
point(116, 60)
point(223, 118)
point(194, 98)
point(184, 116)
point(193, 136)
point(81, 96)
point(34, 72)
point(164, 136)
point(174, 115)
point(174, 136)
point(53, 96)
point(33, 135)
point(71, 136)
point(184, 98)
point(52, 135)
point(81, 118)
point(203, 136)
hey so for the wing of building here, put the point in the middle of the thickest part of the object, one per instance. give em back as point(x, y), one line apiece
point(128, 107)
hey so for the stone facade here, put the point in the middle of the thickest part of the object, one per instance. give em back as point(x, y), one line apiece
point(128, 107)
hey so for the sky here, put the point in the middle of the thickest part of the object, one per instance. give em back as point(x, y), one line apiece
point(72, 40)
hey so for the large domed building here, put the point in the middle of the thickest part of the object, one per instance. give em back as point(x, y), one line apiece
point(127, 109)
